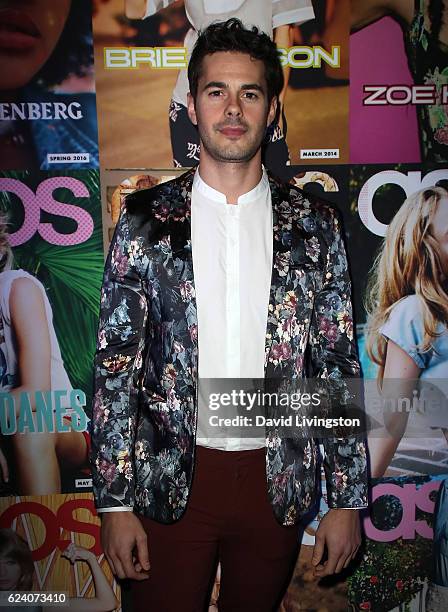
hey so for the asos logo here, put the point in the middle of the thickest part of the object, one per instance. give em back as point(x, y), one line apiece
point(43, 200)
point(410, 183)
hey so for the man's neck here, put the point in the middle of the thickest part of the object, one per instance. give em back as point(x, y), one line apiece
point(231, 179)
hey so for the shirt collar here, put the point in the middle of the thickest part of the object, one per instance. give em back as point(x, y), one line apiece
point(254, 194)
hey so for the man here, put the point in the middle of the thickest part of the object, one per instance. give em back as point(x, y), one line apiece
point(268, 282)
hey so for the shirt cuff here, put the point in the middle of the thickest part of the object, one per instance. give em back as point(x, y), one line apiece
point(351, 508)
point(115, 509)
point(348, 508)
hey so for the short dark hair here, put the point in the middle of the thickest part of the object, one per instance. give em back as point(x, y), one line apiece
point(231, 35)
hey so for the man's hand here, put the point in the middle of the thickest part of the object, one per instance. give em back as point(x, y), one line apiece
point(340, 532)
point(125, 545)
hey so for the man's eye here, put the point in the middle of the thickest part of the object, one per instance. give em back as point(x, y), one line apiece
point(215, 93)
point(250, 95)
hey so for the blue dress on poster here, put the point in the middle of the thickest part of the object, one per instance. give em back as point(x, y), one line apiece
point(405, 327)
point(63, 136)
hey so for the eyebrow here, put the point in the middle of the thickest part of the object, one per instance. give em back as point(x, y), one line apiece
point(245, 86)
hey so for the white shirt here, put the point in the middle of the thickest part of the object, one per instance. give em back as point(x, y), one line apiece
point(232, 266)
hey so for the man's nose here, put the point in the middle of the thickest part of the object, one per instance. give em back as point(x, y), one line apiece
point(234, 106)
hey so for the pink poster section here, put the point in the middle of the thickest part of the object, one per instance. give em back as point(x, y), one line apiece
point(380, 134)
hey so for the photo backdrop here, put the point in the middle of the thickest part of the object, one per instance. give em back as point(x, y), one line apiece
point(98, 111)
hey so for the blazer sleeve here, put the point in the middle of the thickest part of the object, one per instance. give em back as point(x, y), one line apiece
point(118, 362)
point(334, 359)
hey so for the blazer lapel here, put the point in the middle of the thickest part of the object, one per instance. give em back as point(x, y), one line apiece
point(281, 257)
point(179, 228)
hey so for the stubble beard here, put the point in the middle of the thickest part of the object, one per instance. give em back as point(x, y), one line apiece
point(231, 153)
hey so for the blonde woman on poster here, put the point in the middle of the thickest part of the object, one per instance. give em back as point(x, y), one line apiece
point(408, 313)
point(273, 17)
point(17, 572)
point(30, 361)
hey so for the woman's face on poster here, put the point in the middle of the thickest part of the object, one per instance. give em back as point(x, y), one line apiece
point(10, 573)
point(29, 32)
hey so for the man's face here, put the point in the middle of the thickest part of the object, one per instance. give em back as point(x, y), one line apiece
point(231, 108)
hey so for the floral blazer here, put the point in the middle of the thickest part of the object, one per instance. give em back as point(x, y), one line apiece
point(145, 405)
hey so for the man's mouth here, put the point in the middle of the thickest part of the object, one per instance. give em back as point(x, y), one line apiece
point(232, 131)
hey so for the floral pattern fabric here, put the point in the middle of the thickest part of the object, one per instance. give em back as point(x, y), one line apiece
point(428, 61)
point(145, 406)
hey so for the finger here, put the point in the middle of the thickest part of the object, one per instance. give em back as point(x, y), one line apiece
point(128, 567)
point(341, 562)
point(113, 568)
point(318, 550)
point(4, 467)
point(142, 552)
point(352, 556)
point(330, 564)
point(137, 566)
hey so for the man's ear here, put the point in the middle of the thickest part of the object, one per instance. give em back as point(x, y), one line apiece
point(272, 110)
point(191, 109)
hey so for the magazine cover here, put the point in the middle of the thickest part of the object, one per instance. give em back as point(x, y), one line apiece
point(50, 276)
point(141, 55)
point(396, 228)
point(47, 90)
point(404, 552)
point(50, 544)
point(399, 82)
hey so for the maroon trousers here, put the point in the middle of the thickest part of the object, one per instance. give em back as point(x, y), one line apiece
point(228, 519)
